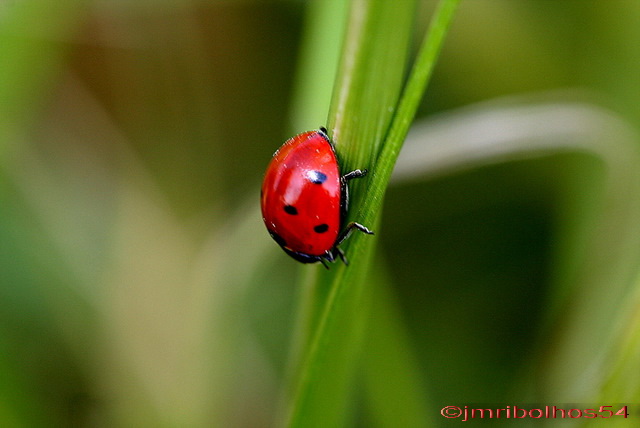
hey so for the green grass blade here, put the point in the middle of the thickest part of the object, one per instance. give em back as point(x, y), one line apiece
point(366, 106)
point(316, 69)
point(416, 86)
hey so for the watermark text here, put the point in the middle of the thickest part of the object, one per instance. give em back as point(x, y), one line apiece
point(466, 413)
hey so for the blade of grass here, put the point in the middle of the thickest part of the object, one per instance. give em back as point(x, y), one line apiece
point(367, 55)
point(364, 110)
point(368, 82)
point(412, 95)
point(316, 69)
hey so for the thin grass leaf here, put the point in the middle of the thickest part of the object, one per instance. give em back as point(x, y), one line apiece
point(412, 95)
point(366, 96)
point(321, 43)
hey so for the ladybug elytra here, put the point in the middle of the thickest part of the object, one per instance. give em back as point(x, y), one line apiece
point(304, 199)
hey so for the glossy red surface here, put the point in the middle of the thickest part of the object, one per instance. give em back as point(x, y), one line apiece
point(301, 195)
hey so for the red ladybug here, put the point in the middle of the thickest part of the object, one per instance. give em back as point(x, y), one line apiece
point(304, 199)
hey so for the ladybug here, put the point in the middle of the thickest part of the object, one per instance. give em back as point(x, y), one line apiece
point(304, 199)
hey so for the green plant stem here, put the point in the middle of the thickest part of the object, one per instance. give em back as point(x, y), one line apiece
point(408, 106)
point(365, 110)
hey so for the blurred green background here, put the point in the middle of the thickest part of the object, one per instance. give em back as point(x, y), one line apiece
point(138, 286)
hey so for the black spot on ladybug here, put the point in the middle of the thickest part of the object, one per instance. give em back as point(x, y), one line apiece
point(290, 209)
point(316, 177)
point(321, 228)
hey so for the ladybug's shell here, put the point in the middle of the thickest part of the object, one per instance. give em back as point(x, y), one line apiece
point(301, 196)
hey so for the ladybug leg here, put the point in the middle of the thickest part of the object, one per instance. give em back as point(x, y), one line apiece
point(347, 231)
point(344, 200)
point(327, 257)
point(356, 173)
point(340, 254)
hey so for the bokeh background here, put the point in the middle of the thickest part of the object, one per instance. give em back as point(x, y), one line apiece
point(138, 287)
